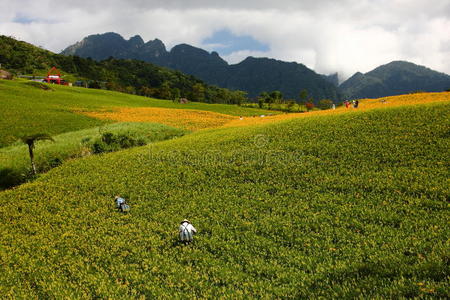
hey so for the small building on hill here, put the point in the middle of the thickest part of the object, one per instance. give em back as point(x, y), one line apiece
point(5, 75)
point(54, 76)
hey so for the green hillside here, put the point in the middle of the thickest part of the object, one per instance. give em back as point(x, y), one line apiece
point(27, 108)
point(130, 76)
point(339, 206)
point(15, 160)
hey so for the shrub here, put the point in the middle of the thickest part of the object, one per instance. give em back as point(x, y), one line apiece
point(110, 142)
point(325, 104)
point(290, 105)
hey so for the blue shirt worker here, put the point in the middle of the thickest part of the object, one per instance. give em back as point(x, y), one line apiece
point(187, 232)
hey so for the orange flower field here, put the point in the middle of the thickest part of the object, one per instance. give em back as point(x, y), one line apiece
point(180, 118)
point(195, 119)
point(364, 104)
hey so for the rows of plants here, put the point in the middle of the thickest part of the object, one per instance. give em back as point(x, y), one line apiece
point(338, 206)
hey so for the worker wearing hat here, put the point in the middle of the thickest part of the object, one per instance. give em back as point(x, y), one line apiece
point(187, 231)
point(121, 204)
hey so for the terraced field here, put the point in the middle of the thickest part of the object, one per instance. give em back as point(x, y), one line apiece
point(30, 107)
point(334, 205)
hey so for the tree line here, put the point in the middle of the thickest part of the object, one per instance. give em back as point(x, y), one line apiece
point(275, 101)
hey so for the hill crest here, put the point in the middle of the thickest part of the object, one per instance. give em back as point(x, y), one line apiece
point(395, 78)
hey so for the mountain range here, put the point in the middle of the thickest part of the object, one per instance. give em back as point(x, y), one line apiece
point(256, 75)
point(395, 78)
point(253, 75)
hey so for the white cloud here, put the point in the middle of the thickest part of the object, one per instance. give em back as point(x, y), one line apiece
point(238, 56)
point(326, 35)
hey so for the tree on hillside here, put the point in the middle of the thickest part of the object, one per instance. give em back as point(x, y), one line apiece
point(130, 90)
point(290, 104)
point(164, 91)
point(276, 96)
point(303, 96)
point(146, 91)
point(263, 98)
point(198, 92)
point(273, 97)
point(239, 97)
point(221, 95)
point(30, 141)
point(260, 102)
point(112, 86)
point(176, 94)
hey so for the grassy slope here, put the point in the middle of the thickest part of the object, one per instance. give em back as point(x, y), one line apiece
point(15, 160)
point(27, 109)
point(333, 206)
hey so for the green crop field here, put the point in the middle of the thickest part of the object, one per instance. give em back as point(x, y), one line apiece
point(27, 109)
point(15, 160)
point(349, 205)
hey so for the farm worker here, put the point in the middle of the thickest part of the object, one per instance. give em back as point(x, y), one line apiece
point(187, 231)
point(346, 103)
point(120, 204)
point(334, 106)
point(356, 103)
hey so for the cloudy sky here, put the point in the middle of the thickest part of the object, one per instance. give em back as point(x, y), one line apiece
point(328, 36)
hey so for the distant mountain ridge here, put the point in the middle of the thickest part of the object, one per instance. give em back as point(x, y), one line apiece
point(395, 78)
point(253, 75)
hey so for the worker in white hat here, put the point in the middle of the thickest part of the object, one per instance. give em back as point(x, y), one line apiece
point(121, 204)
point(187, 231)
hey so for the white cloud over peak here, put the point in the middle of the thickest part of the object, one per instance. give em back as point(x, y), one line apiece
point(327, 36)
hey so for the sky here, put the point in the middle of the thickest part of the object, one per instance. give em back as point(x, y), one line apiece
point(328, 36)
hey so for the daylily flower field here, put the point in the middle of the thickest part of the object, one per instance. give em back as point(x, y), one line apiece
point(334, 204)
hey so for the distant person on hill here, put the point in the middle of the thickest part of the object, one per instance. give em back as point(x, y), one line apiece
point(333, 106)
point(355, 103)
point(121, 204)
point(187, 232)
point(346, 103)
